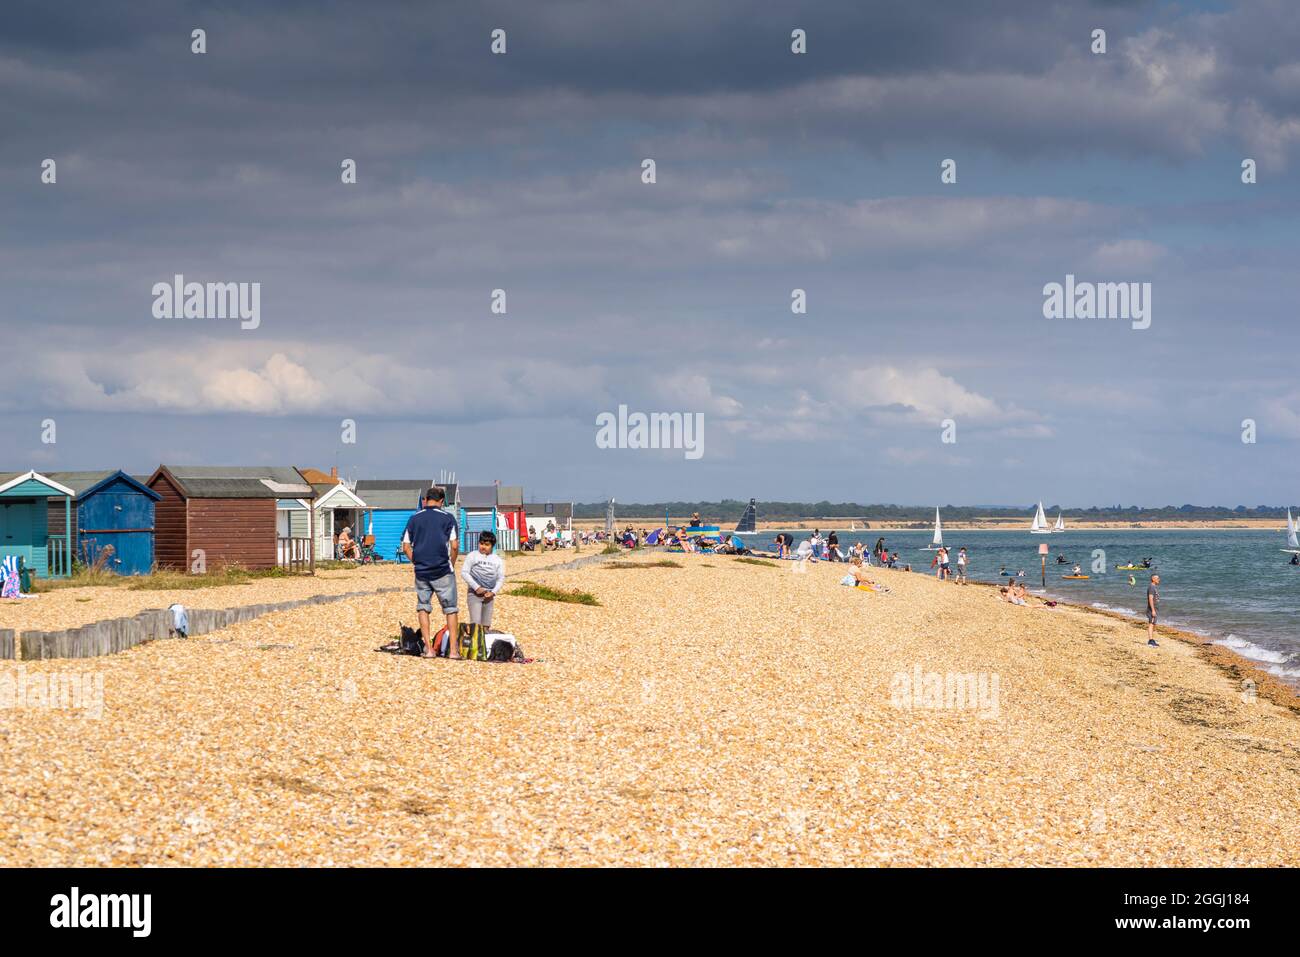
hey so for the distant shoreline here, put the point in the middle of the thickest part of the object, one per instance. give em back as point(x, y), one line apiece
point(992, 525)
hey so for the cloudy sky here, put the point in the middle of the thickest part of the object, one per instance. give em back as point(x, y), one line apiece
point(775, 171)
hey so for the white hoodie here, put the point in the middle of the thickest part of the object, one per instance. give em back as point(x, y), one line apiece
point(483, 571)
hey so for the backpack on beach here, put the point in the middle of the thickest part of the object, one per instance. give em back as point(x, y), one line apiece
point(473, 643)
point(411, 642)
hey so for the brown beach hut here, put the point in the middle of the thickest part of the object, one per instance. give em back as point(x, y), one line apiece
point(213, 516)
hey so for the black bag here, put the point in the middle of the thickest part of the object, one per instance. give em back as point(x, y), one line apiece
point(502, 650)
point(412, 643)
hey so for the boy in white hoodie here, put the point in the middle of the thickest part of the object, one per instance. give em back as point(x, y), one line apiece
point(484, 572)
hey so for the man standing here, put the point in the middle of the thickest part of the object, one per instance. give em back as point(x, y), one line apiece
point(431, 546)
point(1153, 608)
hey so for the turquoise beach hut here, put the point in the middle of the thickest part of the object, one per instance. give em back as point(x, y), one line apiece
point(26, 520)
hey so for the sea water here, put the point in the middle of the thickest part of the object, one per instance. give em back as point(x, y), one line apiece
point(1234, 586)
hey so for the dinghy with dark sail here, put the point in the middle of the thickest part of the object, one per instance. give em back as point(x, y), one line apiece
point(749, 521)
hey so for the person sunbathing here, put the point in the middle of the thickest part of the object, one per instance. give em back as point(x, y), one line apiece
point(348, 547)
point(860, 576)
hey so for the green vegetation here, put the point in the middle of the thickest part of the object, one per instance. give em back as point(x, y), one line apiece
point(84, 577)
point(547, 593)
point(758, 561)
point(661, 563)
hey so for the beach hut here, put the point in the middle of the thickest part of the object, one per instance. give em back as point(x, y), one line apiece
point(337, 507)
point(510, 516)
point(112, 520)
point(209, 517)
point(539, 514)
point(25, 520)
point(389, 505)
point(478, 514)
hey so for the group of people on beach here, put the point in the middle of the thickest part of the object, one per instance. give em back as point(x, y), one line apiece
point(942, 565)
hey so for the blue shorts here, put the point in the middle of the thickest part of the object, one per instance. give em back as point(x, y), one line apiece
point(444, 588)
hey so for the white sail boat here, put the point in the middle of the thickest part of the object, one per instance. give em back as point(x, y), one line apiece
point(1039, 525)
point(1060, 523)
point(938, 535)
point(1292, 543)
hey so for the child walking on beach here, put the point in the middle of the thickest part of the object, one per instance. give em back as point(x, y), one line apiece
point(484, 572)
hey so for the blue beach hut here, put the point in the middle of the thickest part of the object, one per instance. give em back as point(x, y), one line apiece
point(478, 514)
point(113, 520)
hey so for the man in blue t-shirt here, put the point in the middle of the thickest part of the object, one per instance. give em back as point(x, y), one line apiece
point(429, 541)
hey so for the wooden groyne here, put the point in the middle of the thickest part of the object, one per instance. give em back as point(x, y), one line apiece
point(118, 634)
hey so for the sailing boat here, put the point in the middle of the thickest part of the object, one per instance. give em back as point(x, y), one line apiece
point(1039, 525)
point(938, 535)
point(1060, 523)
point(749, 521)
point(1292, 544)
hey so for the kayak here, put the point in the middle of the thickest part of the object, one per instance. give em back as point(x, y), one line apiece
point(1133, 568)
point(1077, 577)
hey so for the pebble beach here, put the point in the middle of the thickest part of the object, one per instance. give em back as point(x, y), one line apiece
point(716, 713)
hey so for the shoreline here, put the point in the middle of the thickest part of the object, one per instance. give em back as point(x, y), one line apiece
point(1234, 664)
point(838, 525)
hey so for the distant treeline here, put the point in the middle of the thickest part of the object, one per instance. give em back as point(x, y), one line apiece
point(730, 510)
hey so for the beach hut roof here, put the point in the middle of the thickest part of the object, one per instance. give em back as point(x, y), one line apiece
point(392, 493)
point(337, 496)
point(12, 480)
point(222, 481)
point(510, 496)
point(84, 483)
point(560, 510)
point(318, 477)
point(478, 496)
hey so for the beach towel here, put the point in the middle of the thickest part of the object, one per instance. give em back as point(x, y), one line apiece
point(12, 587)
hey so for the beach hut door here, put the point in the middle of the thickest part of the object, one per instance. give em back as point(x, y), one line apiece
point(16, 532)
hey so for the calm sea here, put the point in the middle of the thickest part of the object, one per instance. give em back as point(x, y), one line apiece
point(1233, 586)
